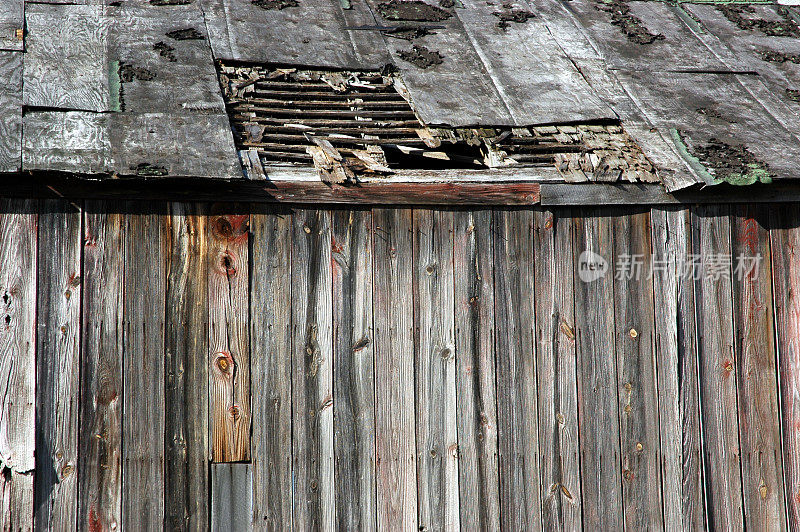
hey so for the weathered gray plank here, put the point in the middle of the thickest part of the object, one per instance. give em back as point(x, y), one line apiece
point(759, 418)
point(270, 334)
point(435, 371)
point(393, 312)
point(598, 418)
point(554, 90)
point(143, 413)
point(557, 371)
point(74, 141)
point(311, 33)
point(231, 497)
point(12, 24)
point(473, 272)
point(57, 364)
point(100, 436)
point(18, 219)
point(229, 346)
point(16, 490)
point(677, 362)
point(711, 240)
point(354, 370)
point(517, 409)
point(186, 343)
point(785, 247)
point(312, 371)
point(10, 111)
point(66, 61)
point(636, 371)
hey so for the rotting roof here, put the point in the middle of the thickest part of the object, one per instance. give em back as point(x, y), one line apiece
point(709, 92)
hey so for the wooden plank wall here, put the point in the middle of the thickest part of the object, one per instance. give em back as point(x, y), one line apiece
point(247, 367)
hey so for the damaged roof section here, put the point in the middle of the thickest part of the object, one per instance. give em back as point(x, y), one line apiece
point(350, 124)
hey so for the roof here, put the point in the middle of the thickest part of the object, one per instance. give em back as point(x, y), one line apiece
point(709, 92)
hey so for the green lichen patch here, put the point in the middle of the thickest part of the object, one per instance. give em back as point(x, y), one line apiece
point(733, 164)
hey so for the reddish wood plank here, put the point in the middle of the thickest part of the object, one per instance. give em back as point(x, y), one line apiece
point(228, 311)
point(785, 247)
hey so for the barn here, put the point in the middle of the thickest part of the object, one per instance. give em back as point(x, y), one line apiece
point(399, 265)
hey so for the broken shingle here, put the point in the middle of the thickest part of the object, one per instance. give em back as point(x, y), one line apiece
point(422, 57)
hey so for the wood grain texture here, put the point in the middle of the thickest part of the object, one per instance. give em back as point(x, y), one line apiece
point(12, 20)
point(785, 248)
point(716, 347)
point(473, 273)
point(18, 240)
point(677, 363)
point(270, 336)
point(10, 109)
point(557, 370)
point(231, 497)
point(517, 407)
point(143, 414)
point(58, 363)
point(759, 418)
point(354, 369)
point(598, 417)
point(312, 371)
point(228, 311)
point(636, 371)
point(100, 436)
point(393, 312)
point(435, 371)
point(186, 387)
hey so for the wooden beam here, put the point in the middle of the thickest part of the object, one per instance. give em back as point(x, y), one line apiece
point(231, 497)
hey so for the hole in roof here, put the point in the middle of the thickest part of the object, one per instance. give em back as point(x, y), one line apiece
point(354, 123)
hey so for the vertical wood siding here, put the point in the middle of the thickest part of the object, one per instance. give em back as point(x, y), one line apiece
point(245, 367)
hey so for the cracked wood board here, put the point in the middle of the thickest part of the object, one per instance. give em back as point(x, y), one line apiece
point(309, 33)
point(10, 111)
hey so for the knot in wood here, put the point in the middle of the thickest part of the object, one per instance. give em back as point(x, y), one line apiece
point(234, 412)
point(633, 333)
point(66, 470)
point(224, 362)
point(227, 263)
